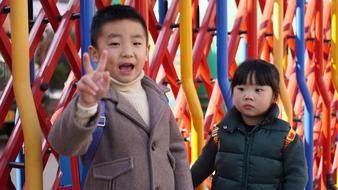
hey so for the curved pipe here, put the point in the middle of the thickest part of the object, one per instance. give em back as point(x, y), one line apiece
point(23, 95)
point(187, 79)
point(308, 108)
point(222, 51)
point(278, 56)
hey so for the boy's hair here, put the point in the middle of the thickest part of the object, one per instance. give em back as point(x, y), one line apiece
point(114, 13)
point(263, 72)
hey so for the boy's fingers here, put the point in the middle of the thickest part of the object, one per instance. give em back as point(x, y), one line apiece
point(87, 82)
point(87, 66)
point(102, 62)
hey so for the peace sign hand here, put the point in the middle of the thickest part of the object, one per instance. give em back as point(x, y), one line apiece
point(95, 83)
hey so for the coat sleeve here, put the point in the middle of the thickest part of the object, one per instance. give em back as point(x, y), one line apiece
point(178, 150)
point(204, 165)
point(294, 163)
point(67, 137)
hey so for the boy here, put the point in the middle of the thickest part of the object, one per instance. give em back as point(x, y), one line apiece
point(141, 146)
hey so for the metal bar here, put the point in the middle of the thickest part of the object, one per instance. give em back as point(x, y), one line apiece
point(24, 98)
point(222, 51)
point(252, 29)
point(308, 104)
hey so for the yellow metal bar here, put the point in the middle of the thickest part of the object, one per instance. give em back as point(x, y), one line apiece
point(197, 141)
point(334, 49)
point(187, 78)
point(278, 57)
point(23, 95)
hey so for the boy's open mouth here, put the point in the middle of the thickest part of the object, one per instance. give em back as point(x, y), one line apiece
point(126, 67)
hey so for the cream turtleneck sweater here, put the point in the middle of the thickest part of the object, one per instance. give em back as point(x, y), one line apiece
point(132, 91)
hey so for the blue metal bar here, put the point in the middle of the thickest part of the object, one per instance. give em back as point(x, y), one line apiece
point(20, 176)
point(161, 12)
point(222, 51)
point(308, 104)
point(87, 9)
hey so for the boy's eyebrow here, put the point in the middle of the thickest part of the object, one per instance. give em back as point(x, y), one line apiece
point(137, 36)
point(114, 35)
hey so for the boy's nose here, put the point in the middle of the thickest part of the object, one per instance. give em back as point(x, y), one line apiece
point(127, 52)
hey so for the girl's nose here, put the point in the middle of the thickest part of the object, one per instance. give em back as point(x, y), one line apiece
point(248, 96)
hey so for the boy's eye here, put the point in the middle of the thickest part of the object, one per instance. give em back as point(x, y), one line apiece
point(114, 44)
point(137, 43)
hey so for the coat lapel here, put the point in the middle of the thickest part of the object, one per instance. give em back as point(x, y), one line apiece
point(126, 109)
point(156, 100)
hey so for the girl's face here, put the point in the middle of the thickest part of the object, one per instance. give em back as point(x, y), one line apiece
point(252, 101)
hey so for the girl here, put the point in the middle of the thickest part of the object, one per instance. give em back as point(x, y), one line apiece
point(251, 148)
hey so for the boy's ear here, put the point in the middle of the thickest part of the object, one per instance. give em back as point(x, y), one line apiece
point(93, 53)
point(147, 52)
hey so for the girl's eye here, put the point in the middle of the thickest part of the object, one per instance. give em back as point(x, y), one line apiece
point(240, 88)
point(259, 90)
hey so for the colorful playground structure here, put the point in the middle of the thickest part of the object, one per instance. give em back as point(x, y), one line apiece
point(299, 37)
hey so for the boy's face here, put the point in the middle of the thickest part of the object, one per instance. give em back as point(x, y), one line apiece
point(125, 42)
point(252, 101)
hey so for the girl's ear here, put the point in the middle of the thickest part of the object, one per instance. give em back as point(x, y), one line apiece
point(93, 54)
point(274, 98)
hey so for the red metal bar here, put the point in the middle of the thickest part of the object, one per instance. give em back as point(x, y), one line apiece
point(203, 35)
point(36, 32)
point(143, 8)
point(163, 38)
point(70, 50)
point(5, 48)
point(263, 27)
point(326, 142)
point(102, 3)
point(153, 24)
point(287, 22)
point(6, 100)
point(252, 29)
point(235, 38)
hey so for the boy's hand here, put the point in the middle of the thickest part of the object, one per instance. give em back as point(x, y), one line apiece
point(94, 84)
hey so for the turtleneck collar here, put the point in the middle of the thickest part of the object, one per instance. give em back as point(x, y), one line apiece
point(134, 85)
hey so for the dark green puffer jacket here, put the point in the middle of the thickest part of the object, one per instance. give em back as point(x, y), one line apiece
point(252, 160)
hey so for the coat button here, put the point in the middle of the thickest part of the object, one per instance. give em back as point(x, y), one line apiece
point(153, 146)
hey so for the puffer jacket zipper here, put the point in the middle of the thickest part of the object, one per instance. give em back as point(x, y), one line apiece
point(246, 160)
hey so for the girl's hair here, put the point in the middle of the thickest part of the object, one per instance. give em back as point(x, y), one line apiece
point(263, 72)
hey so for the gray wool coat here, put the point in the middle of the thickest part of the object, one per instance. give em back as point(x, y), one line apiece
point(130, 154)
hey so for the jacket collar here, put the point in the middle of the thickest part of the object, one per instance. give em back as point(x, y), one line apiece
point(233, 119)
point(155, 95)
point(145, 82)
